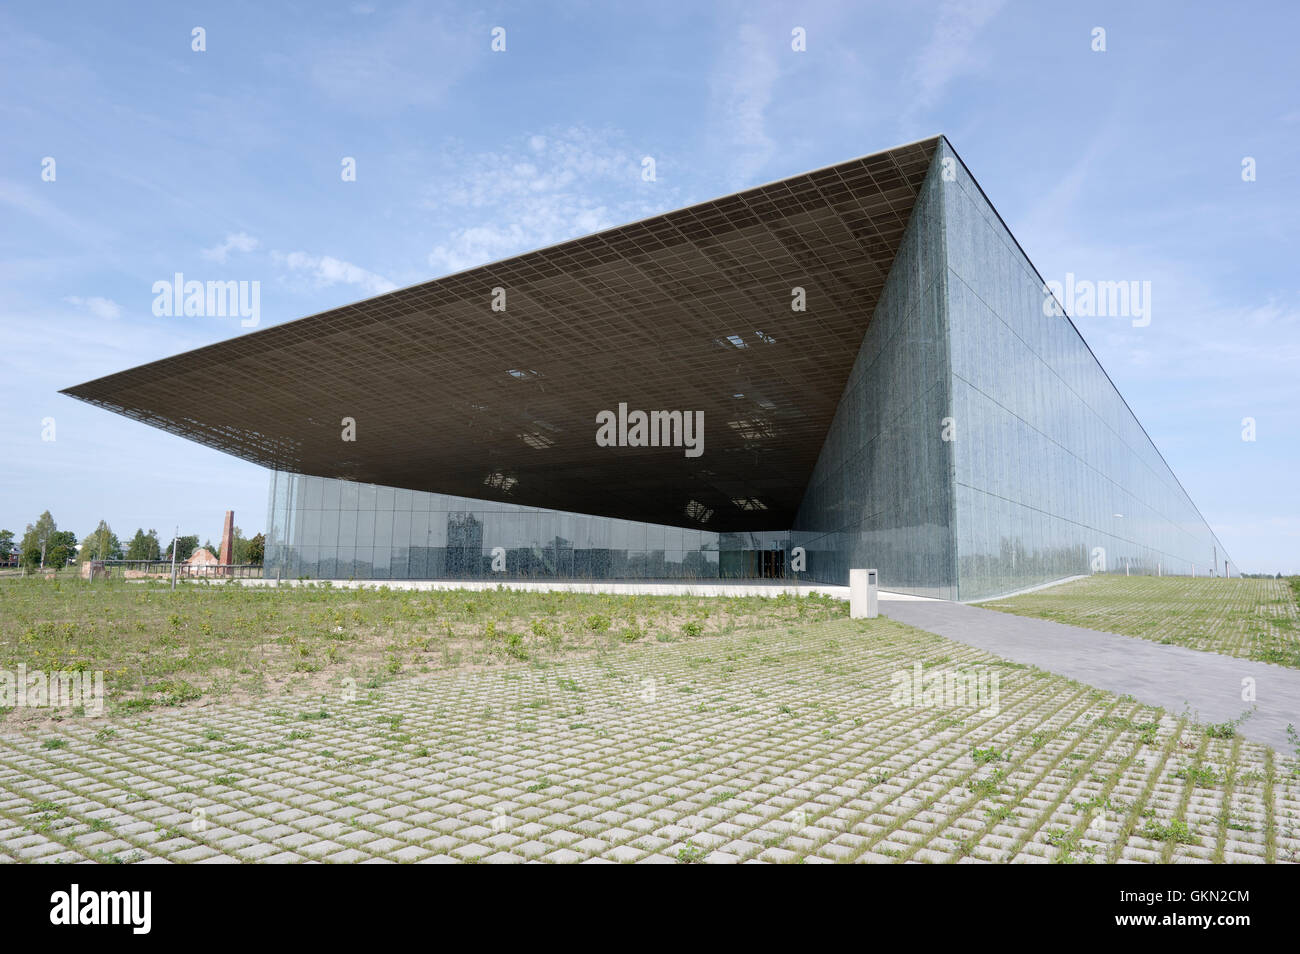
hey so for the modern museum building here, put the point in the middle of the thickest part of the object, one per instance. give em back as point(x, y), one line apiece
point(853, 367)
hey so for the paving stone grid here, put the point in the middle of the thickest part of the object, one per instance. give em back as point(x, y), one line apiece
point(776, 747)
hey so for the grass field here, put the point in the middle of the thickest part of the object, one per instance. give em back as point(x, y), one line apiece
point(618, 729)
point(208, 642)
point(781, 744)
point(1250, 618)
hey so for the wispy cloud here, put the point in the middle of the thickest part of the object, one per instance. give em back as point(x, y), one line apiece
point(98, 307)
point(326, 270)
point(542, 191)
point(49, 214)
point(237, 242)
point(953, 48)
point(387, 62)
point(742, 87)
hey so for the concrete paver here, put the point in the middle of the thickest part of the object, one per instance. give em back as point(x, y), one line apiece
point(778, 746)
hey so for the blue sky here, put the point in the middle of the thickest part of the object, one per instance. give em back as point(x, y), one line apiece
point(225, 164)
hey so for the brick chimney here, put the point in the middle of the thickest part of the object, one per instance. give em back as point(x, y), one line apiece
point(227, 553)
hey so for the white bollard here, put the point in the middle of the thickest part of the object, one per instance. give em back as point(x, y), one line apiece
point(862, 594)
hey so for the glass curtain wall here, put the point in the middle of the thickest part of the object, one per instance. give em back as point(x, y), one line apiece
point(978, 448)
point(1054, 475)
point(881, 492)
point(322, 528)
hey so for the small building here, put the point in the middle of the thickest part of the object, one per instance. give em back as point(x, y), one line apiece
point(201, 557)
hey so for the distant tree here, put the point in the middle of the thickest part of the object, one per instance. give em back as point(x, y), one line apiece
point(36, 540)
point(6, 544)
point(185, 547)
point(243, 550)
point(62, 550)
point(101, 544)
point(144, 546)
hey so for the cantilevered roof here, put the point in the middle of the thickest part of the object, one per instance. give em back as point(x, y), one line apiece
point(690, 310)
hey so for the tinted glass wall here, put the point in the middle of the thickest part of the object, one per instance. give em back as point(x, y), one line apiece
point(881, 492)
point(320, 528)
point(1054, 475)
point(978, 448)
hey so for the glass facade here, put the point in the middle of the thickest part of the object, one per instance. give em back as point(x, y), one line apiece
point(321, 528)
point(978, 448)
point(880, 495)
point(1054, 476)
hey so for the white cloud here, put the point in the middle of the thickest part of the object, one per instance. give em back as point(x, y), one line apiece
point(952, 50)
point(99, 307)
point(547, 189)
point(478, 245)
point(235, 242)
point(328, 270)
point(742, 87)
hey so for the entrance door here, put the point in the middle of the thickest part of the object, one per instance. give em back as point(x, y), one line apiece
point(771, 564)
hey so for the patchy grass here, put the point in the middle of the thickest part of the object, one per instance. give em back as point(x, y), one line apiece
point(746, 729)
point(787, 749)
point(208, 642)
point(1248, 618)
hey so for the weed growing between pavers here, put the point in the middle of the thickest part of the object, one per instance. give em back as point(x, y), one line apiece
point(161, 649)
point(786, 749)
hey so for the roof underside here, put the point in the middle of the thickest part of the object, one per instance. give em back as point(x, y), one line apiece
point(688, 311)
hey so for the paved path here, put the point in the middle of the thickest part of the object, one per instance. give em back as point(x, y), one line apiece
point(1173, 677)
